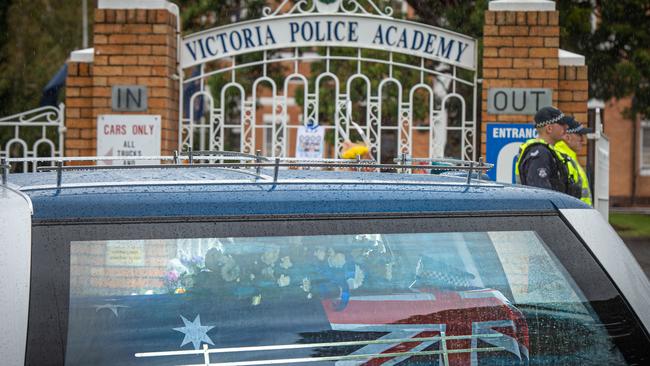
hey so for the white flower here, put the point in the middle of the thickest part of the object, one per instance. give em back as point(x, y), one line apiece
point(309, 295)
point(336, 260)
point(285, 262)
point(256, 300)
point(284, 281)
point(268, 272)
point(389, 271)
point(306, 284)
point(229, 270)
point(359, 276)
point(320, 254)
point(271, 256)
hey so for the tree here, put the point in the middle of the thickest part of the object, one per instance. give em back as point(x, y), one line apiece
point(617, 51)
point(461, 16)
point(37, 37)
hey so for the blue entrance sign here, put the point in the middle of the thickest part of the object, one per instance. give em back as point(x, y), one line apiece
point(502, 147)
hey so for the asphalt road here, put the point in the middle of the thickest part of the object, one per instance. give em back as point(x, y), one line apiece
point(640, 248)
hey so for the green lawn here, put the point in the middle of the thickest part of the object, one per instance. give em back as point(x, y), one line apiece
point(631, 225)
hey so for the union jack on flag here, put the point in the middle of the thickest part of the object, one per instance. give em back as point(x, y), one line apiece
point(484, 314)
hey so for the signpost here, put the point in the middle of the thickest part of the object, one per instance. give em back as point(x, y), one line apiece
point(518, 100)
point(128, 135)
point(129, 98)
point(125, 254)
point(502, 148)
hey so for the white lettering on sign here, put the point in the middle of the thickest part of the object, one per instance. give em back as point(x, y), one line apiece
point(514, 133)
point(329, 30)
point(128, 135)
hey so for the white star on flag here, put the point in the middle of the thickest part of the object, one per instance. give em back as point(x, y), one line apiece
point(195, 332)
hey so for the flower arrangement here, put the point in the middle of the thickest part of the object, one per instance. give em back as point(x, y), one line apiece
point(256, 273)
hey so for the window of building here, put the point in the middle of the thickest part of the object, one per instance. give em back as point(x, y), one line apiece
point(645, 147)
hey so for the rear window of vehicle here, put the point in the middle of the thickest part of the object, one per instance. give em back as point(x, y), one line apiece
point(397, 295)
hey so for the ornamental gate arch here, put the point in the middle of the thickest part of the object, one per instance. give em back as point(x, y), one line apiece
point(251, 85)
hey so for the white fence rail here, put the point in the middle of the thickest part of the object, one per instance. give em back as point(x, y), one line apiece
point(35, 133)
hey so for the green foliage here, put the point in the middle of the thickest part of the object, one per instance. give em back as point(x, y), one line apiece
point(464, 17)
point(200, 15)
point(36, 38)
point(617, 51)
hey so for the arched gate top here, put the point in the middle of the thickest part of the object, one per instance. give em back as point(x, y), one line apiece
point(329, 23)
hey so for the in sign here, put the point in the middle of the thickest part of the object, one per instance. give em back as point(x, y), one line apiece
point(129, 98)
point(518, 100)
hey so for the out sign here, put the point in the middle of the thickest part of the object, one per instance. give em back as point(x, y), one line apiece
point(129, 98)
point(518, 100)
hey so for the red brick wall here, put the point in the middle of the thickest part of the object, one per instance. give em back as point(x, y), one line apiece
point(91, 273)
point(132, 47)
point(626, 185)
point(520, 51)
point(573, 95)
point(79, 118)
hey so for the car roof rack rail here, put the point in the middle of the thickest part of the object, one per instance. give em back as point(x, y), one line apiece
point(218, 154)
point(420, 350)
point(239, 162)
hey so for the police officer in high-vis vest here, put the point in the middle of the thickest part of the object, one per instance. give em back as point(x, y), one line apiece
point(569, 146)
point(539, 164)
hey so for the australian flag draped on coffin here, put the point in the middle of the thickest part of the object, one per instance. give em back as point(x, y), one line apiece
point(111, 330)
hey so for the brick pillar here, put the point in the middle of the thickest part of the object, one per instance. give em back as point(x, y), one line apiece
point(79, 118)
point(521, 43)
point(134, 44)
point(573, 90)
point(522, 50)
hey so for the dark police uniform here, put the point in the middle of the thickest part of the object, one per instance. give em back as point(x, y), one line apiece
point(540, 165)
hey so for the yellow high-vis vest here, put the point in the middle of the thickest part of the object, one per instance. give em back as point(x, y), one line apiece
point(575, 170)
point(525, 145)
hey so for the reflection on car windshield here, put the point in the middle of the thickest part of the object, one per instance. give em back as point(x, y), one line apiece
point(479, 298)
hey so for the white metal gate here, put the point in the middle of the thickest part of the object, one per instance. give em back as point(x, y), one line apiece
point(346, 42)
point(37, 133)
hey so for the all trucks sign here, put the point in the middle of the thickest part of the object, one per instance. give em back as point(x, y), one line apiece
point(502, 148)
point(128, 135)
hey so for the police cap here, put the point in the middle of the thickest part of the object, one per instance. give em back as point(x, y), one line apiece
point(576, 127)
point(549, 115)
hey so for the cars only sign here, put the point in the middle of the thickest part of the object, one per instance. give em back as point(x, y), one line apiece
point(128, 135)
point(502, 147)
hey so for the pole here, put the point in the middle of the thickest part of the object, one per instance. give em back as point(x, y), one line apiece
point(84, 23)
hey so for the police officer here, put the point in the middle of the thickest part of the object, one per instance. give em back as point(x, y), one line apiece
point(569, 146)
point(539, 164)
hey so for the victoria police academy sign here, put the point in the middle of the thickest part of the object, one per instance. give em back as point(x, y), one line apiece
point(335, 30)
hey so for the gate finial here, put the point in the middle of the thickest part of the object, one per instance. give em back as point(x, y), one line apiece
point(330, 7)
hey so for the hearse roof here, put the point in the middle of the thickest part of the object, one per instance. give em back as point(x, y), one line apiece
point(214, 192)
